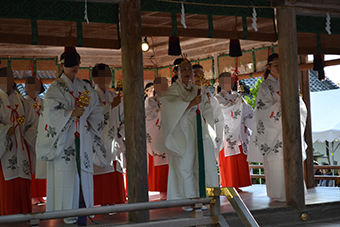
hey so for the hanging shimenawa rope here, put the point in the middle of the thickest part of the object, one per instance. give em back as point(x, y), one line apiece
point(85, 13)
point(183, 17)
point(254, 24)
point(328, 24)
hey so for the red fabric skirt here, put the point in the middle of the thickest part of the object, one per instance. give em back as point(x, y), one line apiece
point(234, 170)
point(109, 188)
point(38, 187)
point(158, 176)
point(15, 195)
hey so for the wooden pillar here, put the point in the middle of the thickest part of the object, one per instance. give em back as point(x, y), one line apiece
point(289, 84)
point(134, 110)
point(308, 163)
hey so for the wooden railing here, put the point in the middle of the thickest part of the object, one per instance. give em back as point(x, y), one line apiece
point(316, 177)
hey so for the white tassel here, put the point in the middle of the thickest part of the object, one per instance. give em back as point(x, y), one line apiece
point(328, 24)
point(183, 17)
point(85, 13)
point(254, 24)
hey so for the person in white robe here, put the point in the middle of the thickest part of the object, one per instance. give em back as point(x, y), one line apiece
point(238, 120)
point(158, 161)
point(18, 129)
point(113, 174)
point(34, 88)
point(178, 137)
point(266, 140)
point(217, 111)
point(61, 117)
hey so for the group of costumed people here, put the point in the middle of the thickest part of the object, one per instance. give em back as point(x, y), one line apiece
point(74, 138)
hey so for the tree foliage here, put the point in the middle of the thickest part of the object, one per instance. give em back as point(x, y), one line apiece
point(253, 92)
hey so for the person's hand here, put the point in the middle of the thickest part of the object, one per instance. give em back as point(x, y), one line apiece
point(78, 112)
point(115, 102)
point(197, 100)
point(10, 131)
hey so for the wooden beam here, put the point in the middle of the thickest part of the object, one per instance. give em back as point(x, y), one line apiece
point(59, 41)
point(204, 33)
point(134, 111)
point(290, 108)
point(302, 67)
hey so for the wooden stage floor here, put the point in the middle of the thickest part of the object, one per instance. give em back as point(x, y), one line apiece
point(254, 197)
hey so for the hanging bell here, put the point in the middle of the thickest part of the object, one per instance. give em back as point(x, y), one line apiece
point(174, 46)
point(235, 48)
point(318, 63)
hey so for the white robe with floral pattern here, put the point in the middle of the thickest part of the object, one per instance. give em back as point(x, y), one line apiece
point(238, 115)
point(153, 111)
point(266, 140)
point(178, 138)
point(56, 143)
point(111, 124)
point(14, 153)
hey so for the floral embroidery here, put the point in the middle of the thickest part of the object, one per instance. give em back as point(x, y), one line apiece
point(1, 103)
point(101, 126)
point(260, 127)
point(55, 145)
point(260, 104)
point(111, 132)
point(216, 120)
point(26, 167)
point(236, 114)
point(277, 146)
point(277, 116)
point(50, 131)
point(86, 161)
point(97, 142)
point(217, 140)
point(106, 118)
point(68, 153)
point(13, 163)
point(231, 144)
point(271, 89)
point(256, 142)
point(264, 148)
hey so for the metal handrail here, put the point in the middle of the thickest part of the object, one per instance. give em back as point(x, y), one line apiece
point(101, 210)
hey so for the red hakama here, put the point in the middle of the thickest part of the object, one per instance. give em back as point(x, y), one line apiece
point(38, 187)
point(15, 195)
point(109, 188)
point(234, 170)
point(158, 176)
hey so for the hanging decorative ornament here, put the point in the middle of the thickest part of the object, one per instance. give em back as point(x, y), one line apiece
point(328, 24)
point(183, 17)
point(254, 24)
point(292, 1)
point(85, 13)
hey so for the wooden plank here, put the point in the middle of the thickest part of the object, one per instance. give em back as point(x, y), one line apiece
point(134, 111)
point(290, 107)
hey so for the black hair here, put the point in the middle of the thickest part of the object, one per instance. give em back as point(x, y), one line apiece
point(269, 62)
point(31, 80)
point(175, 68)
point(197, 67)
point(173, 79)
point(146, 87)
point(98, 67)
